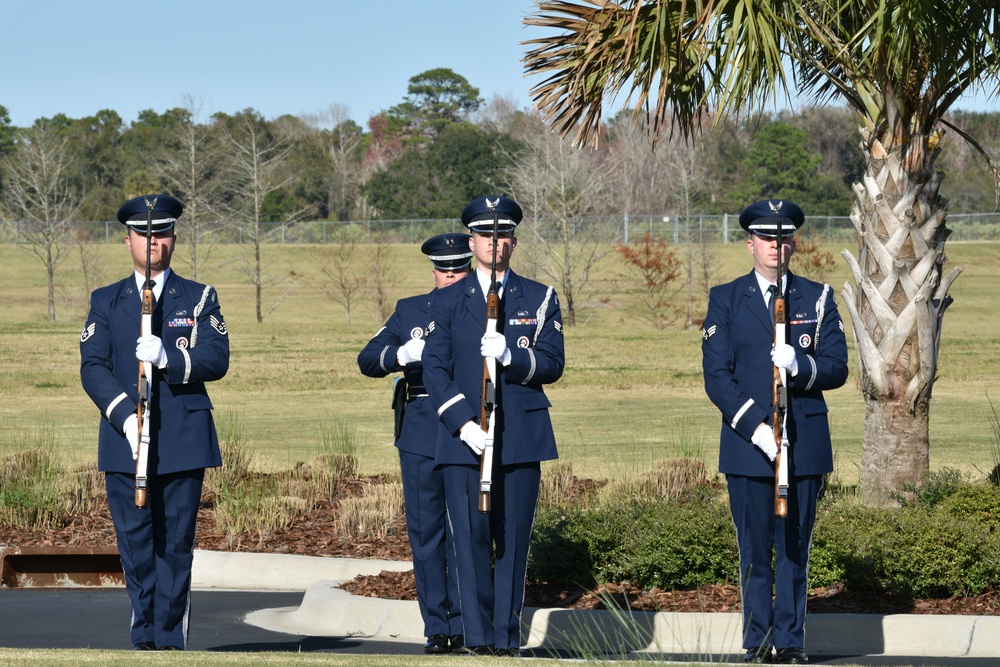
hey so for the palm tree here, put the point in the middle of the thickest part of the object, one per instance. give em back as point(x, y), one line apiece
point(899, 66)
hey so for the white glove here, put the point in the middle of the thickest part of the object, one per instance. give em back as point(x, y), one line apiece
point(150, 349)
point(495, 345)
point(410, 352)
point(783, 356)
point(473, 436)
point(131, 430)
point(763, 438)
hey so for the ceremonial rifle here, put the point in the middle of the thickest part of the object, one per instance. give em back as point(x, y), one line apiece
point(487, 417)
point(145, 374)
point(780, 397)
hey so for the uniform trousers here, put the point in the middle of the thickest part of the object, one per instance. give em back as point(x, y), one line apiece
point(156, 545)
point(774, 597)
point(433, 561)
point(491, 549)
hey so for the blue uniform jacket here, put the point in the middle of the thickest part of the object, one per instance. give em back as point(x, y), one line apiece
point(531, 321)
point(738, 370)
point(378, 359)
point(189, 321)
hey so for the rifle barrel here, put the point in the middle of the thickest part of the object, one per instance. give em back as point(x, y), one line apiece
point(780, 395)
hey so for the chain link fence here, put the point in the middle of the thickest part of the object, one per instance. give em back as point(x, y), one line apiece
point(612, 229)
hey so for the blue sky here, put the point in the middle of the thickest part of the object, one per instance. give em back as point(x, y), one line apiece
point(293, 56)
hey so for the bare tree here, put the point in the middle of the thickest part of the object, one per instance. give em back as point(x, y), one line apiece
point(39, 199)
point(92, 270)
point(341, 140)
point(255, 153)
point(383, 277)
point(668, 177)
point(340, 282)
point(190, 170)
point(561, 188)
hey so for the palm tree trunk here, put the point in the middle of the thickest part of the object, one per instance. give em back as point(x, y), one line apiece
point(896, 450)
point(897, 311)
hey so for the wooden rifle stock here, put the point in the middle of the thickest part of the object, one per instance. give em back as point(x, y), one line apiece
point(487, 417)
point(488, 403)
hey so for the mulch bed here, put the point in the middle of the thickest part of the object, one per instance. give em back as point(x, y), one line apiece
point(315, 535)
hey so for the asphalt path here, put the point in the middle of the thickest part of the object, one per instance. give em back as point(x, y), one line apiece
point(98, 619)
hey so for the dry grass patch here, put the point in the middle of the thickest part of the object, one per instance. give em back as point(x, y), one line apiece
point(371, 513)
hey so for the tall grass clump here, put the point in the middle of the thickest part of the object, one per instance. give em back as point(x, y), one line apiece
point(84, 489)
point(994, 474)
point(247, 502)
point(30, 497)
point(337, 459)
point(371, 514)
point(670, 478)
point(560, 486)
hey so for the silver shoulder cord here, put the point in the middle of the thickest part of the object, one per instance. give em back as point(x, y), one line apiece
point(820, 312)
point(197, 313)
point(540, 314)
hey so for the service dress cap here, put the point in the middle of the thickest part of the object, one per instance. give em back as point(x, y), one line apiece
point(478, 214)
point(762, 217)
point(165, 210)
point(448, 252)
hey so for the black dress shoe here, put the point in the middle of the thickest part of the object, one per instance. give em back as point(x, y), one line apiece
point(791, 656)
point(479, 650)
point(507, 652)
point(758, 655)
point(170, 648)
point(436, 644)
point(456, 642)
point(145, 646)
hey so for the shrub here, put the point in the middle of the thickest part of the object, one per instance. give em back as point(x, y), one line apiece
point(668, 543)
point(945, 542)
point(918, 550)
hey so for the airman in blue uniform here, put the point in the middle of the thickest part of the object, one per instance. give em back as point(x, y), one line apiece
point(398, 346)
point(739, 357)
point(492, 547)
point(188, 346)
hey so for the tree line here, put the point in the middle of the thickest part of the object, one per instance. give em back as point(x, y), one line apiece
point(443, 145)
point(425, 158)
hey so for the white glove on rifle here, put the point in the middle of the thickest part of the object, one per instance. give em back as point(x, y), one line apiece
point(473, 436)
point(410, 352)
point(763, 438)
point(131, 430)
point(495, 345)
point(783, 356)
point(150, 349)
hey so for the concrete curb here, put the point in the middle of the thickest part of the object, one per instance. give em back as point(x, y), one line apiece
point(328, 611)
point(279, 572)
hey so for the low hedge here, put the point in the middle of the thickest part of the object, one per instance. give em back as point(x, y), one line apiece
point(943, 541)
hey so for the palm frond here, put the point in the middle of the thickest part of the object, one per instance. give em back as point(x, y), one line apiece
point(673, 59)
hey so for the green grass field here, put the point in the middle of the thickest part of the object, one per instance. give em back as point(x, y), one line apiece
point(630, 394)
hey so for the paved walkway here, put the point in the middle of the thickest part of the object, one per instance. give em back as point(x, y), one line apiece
point(267, 602)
